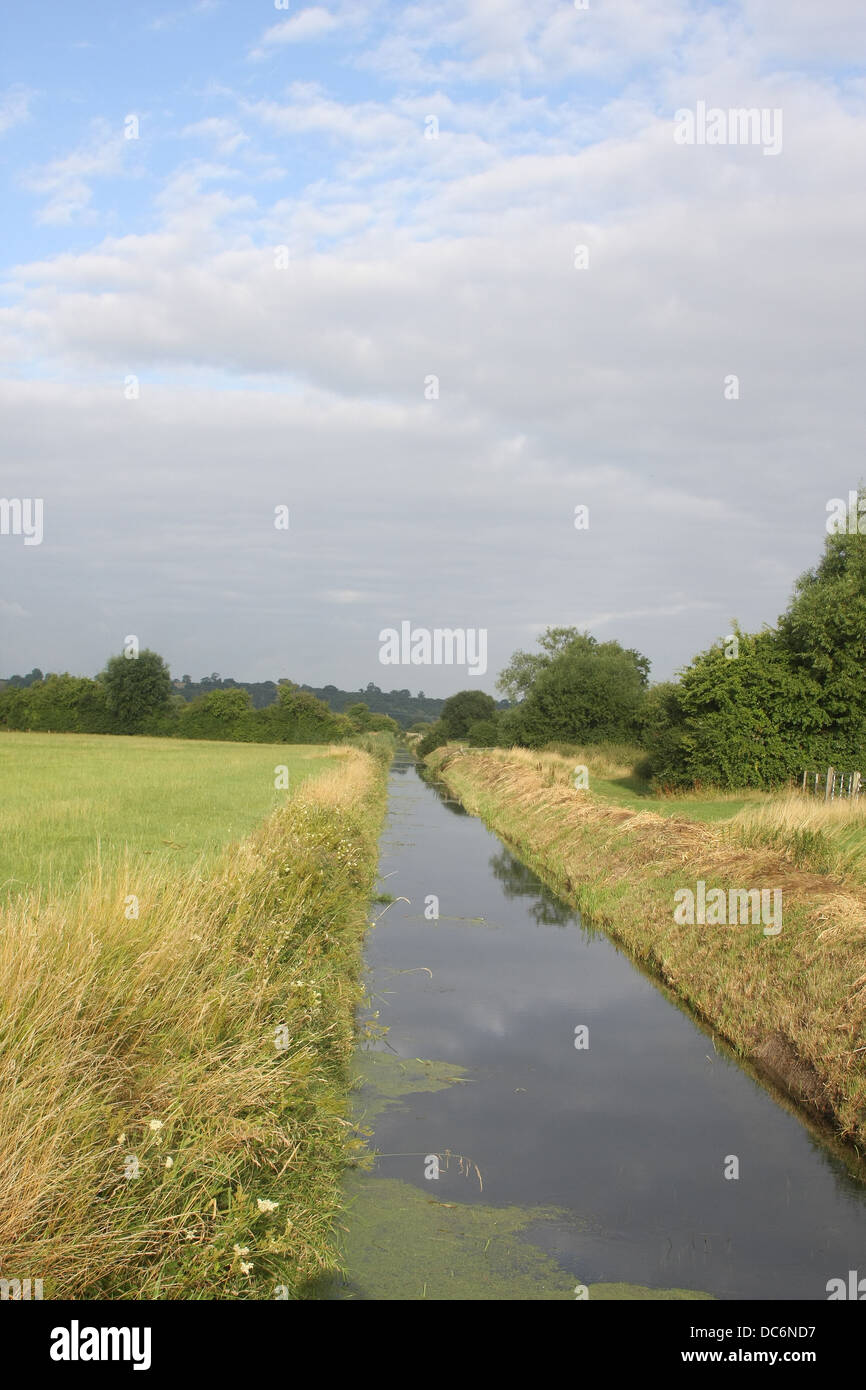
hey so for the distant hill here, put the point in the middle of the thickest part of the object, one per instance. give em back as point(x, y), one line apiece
point(402, 705)
point(406, 708)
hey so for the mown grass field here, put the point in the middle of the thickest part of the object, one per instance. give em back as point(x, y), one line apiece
point(69, 800)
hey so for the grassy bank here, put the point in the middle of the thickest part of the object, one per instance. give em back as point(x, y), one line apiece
point(827, 837)
point(174, 1083)
point(72, 799)
point(793, 1004)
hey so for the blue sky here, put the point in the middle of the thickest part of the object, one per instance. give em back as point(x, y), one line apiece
point(308, 128)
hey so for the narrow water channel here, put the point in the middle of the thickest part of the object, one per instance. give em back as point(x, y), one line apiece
point(563, 1171)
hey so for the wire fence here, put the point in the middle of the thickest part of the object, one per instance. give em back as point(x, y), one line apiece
point(833, 784)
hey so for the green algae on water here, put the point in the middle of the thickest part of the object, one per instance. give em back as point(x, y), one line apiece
point(386, 1080)
point(402, 1245)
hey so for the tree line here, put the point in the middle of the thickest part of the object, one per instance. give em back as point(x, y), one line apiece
point(753, 710)
point(136, 695)
point(401, 705)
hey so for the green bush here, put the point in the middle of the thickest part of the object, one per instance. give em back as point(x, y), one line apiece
point(752, 720)
point(484, 733)
point(296, 716)
point(436, 737)
point(58, 704)
point(221, 714)
point(465, 708)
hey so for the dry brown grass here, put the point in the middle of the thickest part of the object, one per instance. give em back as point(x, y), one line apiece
point(602, 760)
point(829, 836)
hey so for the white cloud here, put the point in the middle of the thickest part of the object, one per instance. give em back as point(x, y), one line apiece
point(310, 111)
point(225, 134)
point(307, 25)
point(14, 107)
point(68, 180)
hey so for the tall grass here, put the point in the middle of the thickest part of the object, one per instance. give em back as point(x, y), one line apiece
point(823, 836)
point(172, 1097)
point(603, 760)
point(557, 761)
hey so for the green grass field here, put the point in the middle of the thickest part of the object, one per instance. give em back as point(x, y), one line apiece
point(629, 791)
point(68, 800)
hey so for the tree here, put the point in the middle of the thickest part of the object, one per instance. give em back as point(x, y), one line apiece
point(218, 714)
point(435, 737)
point(465, 708)
point(68, 704)
point(365, 721)
point(591, 692)
point(824, 631)
point(745, 721)
point(136, 689)
point(759, 711)
point(24, 682)
point(359, 713)
point(484, 733)
point(297, 716)
point(525, 668)
point(660, 727)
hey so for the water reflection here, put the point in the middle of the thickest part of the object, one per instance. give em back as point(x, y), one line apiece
point(628, 1138)
point(520, 882)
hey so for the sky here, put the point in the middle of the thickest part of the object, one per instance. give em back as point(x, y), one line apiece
point(427, 278)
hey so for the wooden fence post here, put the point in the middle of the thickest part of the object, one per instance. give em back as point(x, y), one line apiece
point(831, 783)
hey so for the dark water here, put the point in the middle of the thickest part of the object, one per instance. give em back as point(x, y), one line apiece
point(630, 1137)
